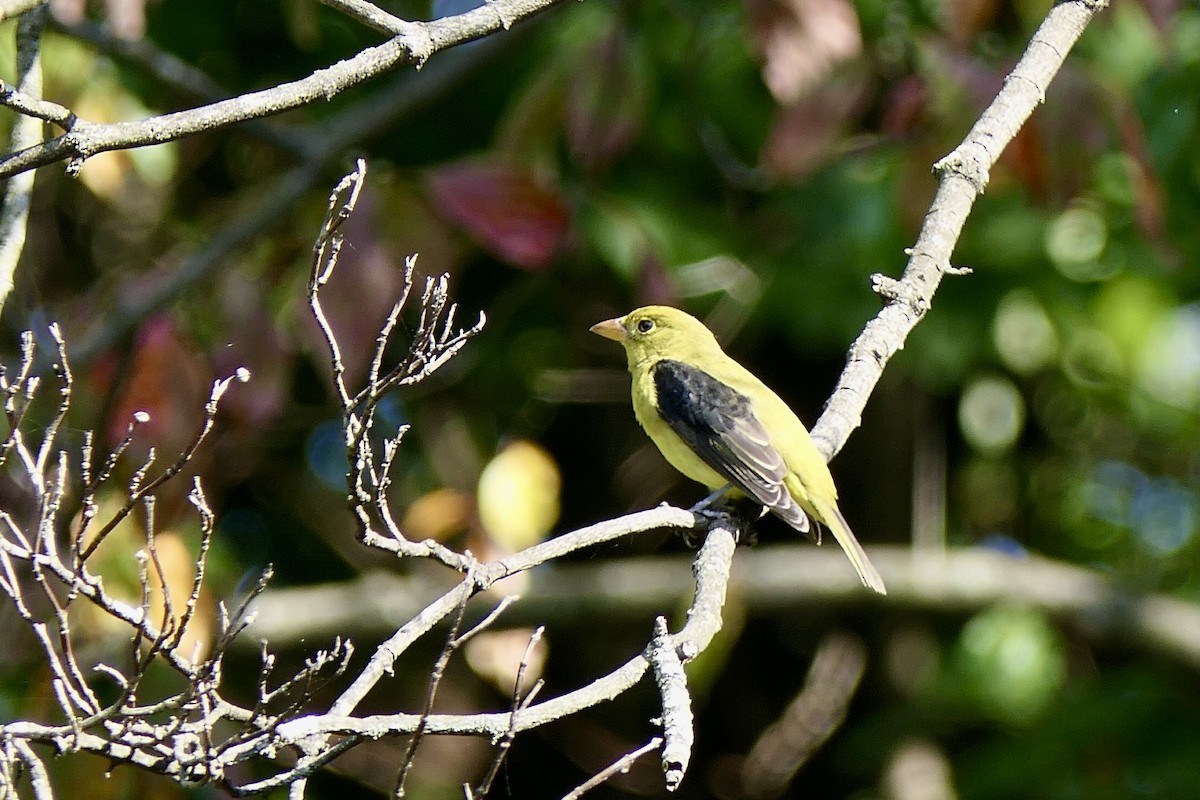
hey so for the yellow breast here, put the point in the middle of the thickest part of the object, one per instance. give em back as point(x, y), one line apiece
point(677, 453)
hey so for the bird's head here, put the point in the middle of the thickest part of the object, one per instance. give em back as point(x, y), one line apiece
point(655, 332)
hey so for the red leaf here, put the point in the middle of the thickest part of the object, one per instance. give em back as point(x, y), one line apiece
point(165, 381)
point(503, 208)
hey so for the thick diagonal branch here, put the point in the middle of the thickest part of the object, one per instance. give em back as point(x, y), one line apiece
point(962, 177)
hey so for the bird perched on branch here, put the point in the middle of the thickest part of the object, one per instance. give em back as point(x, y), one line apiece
point(721, 426)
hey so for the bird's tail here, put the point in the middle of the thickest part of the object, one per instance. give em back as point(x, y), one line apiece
point(837, 525)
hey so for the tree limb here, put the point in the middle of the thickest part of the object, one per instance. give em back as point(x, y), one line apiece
point(962, 177)
point(415, 45)
point(27, 129)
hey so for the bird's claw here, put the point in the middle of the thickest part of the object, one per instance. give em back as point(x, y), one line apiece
point(706, 518)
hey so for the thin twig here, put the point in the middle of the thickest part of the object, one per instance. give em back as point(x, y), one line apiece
point(207, 529)
point(140, 491)
point(618, 767)
point(435, 679)
point(520, 701)
point(66, 384)
point(342, 202)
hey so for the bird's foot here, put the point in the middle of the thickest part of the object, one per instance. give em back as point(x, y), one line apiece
point(707, 502)
point(708, 512)
point(744, 531)
point(707, 518)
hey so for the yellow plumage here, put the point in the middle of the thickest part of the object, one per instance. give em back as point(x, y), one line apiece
point(719, 425)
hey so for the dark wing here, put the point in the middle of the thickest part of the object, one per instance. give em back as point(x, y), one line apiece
point(718, 424)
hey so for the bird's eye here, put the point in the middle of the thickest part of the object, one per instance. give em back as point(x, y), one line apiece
point(645, 325)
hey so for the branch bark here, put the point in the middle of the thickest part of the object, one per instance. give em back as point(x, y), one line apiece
point(962, 177)
point(414, 43)
point(27, 129)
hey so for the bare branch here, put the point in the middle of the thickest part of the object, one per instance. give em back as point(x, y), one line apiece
point(34, 107)
point(520, 702)
point(138, 490)
point(434, 342)
point(207, 529)
point(39, 779)
point(415, 46)
point(711, 569)
point(66, 382)
point(962, 177)
point(381, 662)
point(27, 130)
point(678, 733)
point(342, 201)
point(19, 390)
point(620, 766)
point(372, 15)
point(435, 679)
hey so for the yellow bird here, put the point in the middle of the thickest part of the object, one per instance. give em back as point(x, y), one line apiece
point(721, 426)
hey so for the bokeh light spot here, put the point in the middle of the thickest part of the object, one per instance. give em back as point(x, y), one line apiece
point(1111, 491)
point(1013, 662)
point(1075, 241)
point(1163, 514)
point(991, 414)
point(325, 453)
point(1023, 334)
point(1169, 363)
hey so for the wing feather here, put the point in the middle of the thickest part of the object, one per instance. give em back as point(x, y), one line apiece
point(719, 425)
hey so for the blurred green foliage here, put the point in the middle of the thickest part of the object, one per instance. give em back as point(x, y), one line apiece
point(624, 153)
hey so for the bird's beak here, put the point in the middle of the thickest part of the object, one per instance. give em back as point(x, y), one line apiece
point(611, 329)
